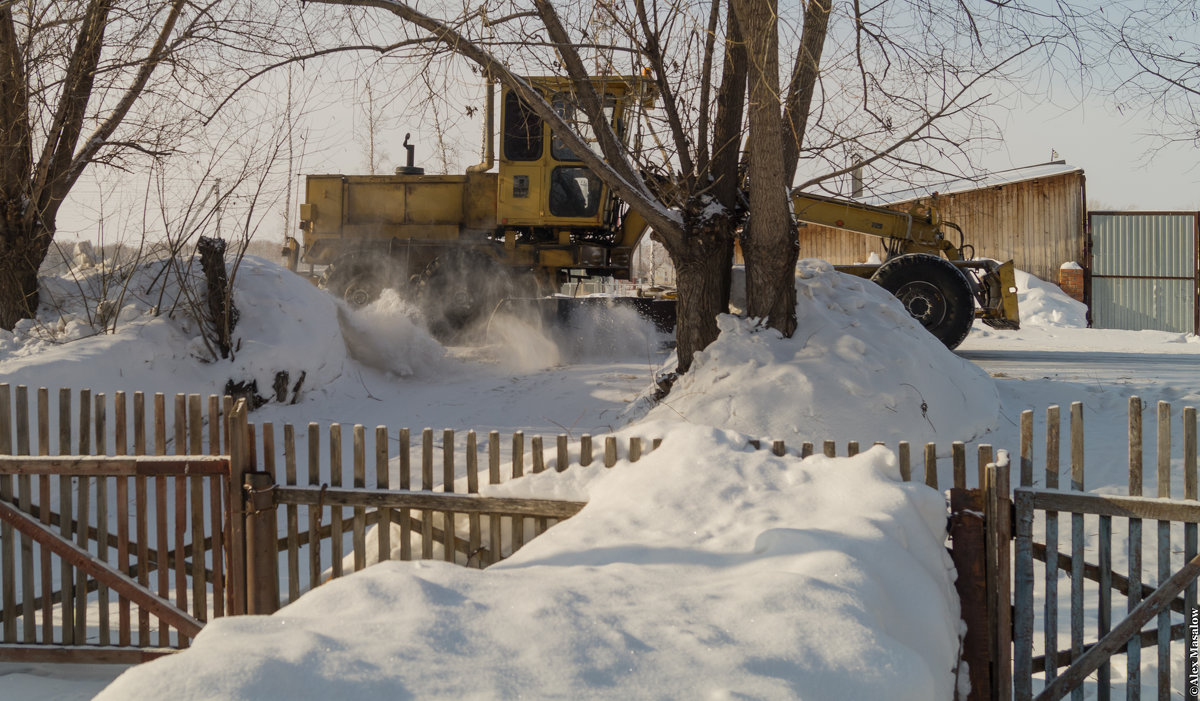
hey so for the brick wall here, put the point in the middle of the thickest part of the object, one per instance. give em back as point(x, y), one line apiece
point(1071, 282)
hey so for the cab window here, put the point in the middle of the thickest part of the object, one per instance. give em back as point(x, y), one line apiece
point(574, 192)
point(522, 130)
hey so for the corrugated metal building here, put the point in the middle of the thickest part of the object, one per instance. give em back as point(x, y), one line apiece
point(1035, 216)
point(1144, 271)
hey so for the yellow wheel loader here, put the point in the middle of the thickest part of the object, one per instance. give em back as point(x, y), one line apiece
point(531, 216)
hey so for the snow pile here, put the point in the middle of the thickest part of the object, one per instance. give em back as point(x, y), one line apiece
point(858, 368)
point(1045, 304)
point(155, 343)
point(732, 574)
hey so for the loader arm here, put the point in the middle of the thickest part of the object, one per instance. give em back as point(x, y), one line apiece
point(918, 231)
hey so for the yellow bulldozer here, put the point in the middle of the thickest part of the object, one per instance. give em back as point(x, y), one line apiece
point(527, 219)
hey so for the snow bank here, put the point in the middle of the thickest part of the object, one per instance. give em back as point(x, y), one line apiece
point(285, 324)
point(1045, 304)
point(858, 368)
point(731, 574)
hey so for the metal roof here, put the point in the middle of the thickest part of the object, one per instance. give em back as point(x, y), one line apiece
point(988, 180)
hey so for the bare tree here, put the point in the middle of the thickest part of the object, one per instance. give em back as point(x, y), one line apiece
point(101, 82)
point(1157, 67)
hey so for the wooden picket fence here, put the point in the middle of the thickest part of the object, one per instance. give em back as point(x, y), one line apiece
point(149, 516)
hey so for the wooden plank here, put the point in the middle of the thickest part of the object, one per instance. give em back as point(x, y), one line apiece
point(585, 450)
point(67, 484)
point(382, 480)
point(610, 451)
point(1023, 600)
point(1104, 604)
point(216, 509)
point(1124, 631)
point(179, 530)
point(1119, 506)
point(161, 528)
point(931, 475)
point(359, 520)
point(8, 558)
point(315, 511)
point(1003, 524)
point(985, 458)
point(292, 514)
point(79, 654)
point(426, 485)
point(777, 448)
point(563, 461)
point(335, 512)
point(141, 517)
point(405, 484)
point(830, 449)
point(1189, 529)
point(1027, 448)
point(118, 581)
point(25, 495)
point(195, 427)
point(115, 466)
point(539, 465)
point(448, 488)
point(635, 448)
point(518, 470)
point(1133, 651)
point(1164, 549)
point(806, 449)
point(905, 459)
point(100, 417)
point(495, 539)
point(433, 501)
point(474, 527)
point(1077, 539)
point(958, 459)
point(83, 518)
point(241, 450)
point(1050, 597)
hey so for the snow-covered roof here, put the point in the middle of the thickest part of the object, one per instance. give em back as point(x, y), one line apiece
point(998, 178)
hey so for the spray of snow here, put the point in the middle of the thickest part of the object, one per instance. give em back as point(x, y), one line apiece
point(384, 335)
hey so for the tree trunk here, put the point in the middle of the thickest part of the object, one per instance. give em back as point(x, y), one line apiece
point(769, 242)
point(22, 251)
point(701, 278)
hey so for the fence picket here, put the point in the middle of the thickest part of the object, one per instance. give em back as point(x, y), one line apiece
point(474, 537)
point(100, 417)
point(25, 494)
point(67, 485)
point(1077, 540)
point(360, 513)
point(8, 579)
point(217, 509)
point(1050, 617)
point(314, 512)
point(494, 536)
point(958, 458)
point(563, 460)
point(1133, 649)
point(905, 458)
point(382, 481)
point(931, 475)
point(337, 534)
point(1164, 548)
point(427, 485)
point(518, 469)
point(830, 449)
point(1026, 448)
point(448, 487)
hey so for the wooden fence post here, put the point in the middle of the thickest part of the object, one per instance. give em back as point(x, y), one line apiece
point(998, 505)
point(262, 552)
point(239, 464)
point(969, 553)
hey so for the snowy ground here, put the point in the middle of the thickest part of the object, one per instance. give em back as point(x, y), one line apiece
point(729, 574)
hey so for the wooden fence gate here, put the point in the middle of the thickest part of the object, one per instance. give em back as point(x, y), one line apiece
point(1064, 533)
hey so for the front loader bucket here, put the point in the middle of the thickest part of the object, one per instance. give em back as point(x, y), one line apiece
point(998, 306)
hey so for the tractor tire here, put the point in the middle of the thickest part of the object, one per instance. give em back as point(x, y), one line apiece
point(933, 291)
point(358, 281)
point(458, 289)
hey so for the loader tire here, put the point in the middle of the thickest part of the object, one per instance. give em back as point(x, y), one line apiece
point(460, 288)
point(359, 282)
point(933, 291)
